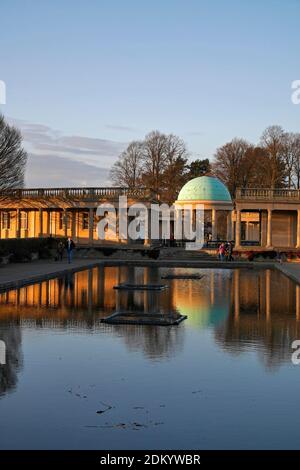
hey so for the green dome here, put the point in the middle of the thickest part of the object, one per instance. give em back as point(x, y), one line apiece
point(204, 188)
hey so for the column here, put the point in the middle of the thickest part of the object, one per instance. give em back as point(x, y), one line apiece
point(298, 229)
point(229, 226)
point(269, 228)
point(214, 228)
point(91, 225)
point(65, 222)
point(73, 231)
point(18, 223)
point(147, 239)
point(48, 223)
point(41, 222)
point(238, 229)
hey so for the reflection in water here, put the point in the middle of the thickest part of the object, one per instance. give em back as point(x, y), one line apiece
point(245, 309)
point(10, 333)
point(264, 314)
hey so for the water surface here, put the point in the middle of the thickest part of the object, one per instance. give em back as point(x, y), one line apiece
point(221, 379)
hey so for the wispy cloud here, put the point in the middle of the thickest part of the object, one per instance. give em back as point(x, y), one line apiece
point(50, 170)
point(60, 160)
point(118, 128)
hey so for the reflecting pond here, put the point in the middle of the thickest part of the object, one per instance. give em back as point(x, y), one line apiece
point(223, 378)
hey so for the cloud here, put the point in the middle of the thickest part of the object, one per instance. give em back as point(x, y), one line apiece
point(63, 172)
point(121, 128)
point(61, 160)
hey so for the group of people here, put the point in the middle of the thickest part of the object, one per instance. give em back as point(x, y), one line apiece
point(225, 251)
point(69, 245)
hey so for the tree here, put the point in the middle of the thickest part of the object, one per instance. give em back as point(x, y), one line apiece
point(174, 174)
point(13, 157)
point(228, 163)
point(255, 171)
point(199, 168)
point(273, 140)
point(159, 163)
point(127, 169)
point(174, 178)
point(295, 149)
point(155, 149)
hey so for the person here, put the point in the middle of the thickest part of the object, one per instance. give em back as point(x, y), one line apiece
point(221, 251)
point(230, 257)
point(70, 245)
point(60, 251)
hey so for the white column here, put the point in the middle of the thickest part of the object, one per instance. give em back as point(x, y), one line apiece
point(91, 225)
point(147, 236)
point(238, 229)
point(214, 227)
point(269, 228)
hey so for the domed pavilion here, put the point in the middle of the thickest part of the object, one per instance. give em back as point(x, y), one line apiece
point(216, 200)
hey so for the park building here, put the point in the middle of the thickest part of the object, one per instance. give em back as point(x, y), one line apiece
point(257, 219)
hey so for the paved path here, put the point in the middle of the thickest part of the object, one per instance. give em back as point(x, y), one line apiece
point(20, 274)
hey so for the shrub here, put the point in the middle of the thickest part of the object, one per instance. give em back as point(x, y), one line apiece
point(21, 249)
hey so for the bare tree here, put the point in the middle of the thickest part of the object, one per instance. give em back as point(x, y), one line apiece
point(255, 169)
point(273, 140)
point(13, 157)
point(127, 169)
point(228, 163)
point(155, 160)
point(295, 138)
point(159, 163)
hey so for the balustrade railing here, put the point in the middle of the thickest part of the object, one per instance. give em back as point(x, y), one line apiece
point(267, 194)
point(77, 193)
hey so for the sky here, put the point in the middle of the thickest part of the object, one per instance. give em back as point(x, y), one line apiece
point(84, 78)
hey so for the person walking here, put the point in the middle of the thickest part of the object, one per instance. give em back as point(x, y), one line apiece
point(70, 245)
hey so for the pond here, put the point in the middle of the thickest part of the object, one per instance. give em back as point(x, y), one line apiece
point(221, 379)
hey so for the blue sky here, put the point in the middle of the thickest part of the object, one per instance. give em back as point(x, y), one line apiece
point(100, 73)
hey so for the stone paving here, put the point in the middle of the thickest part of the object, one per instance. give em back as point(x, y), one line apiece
point(20, 274)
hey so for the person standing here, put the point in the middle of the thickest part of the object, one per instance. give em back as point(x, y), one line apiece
point(70, 245)
point(60, 250)
point(230, 257)
point(222, 252)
